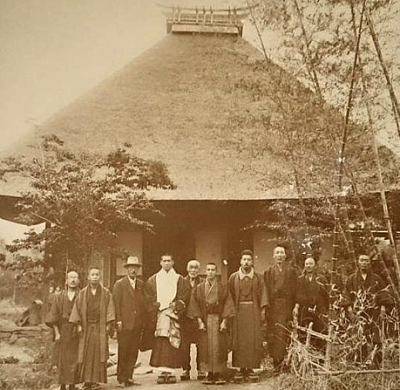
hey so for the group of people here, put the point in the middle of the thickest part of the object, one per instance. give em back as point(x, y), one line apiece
point(169, 312)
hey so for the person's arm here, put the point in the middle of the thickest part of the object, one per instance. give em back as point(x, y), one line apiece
point(57, 334)
point(201, 324)
point(117, 297)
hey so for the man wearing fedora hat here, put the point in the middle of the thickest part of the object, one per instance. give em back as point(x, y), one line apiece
point(130, 309)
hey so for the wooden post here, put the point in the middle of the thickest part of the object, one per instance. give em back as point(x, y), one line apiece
point(204, 15)
point(197, 15)
point(229, 15)
point(308, 338)
point(383, 342)
point(211, 16)
point(173, 14)
point(179, 14)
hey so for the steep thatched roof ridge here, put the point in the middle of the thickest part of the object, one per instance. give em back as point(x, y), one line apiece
point(173, 103)
point(191, 102)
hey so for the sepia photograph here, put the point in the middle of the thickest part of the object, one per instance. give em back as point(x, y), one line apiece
point(200, 193)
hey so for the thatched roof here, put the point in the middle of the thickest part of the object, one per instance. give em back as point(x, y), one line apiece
point(183, 102)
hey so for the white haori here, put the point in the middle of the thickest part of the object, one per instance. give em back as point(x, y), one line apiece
point(167, 285)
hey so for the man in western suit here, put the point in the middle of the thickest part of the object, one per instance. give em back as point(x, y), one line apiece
point(129, 318)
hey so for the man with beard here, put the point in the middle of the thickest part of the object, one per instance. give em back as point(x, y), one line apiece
point(250, 297)
point(280, 280)
point(211, 305)
point(189, 326)
point(94, 314)
point(65, 334)
point(166, 290)
point(130, 311)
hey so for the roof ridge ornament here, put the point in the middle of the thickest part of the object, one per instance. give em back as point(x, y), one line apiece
point(195, 20)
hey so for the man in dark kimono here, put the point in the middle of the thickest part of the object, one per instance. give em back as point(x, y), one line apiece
point(211, 305)
point(365, 298)
point(280, 281)
point(94, 314)
point(166, 290)
point(65, 334)
point(189, 326)
point(250, 297)
point(312, 300)
point(130, 315)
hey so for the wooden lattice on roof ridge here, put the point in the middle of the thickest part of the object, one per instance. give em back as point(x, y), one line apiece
point(205, 20)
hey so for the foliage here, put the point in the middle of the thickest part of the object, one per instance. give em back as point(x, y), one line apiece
point(317, 45)
point(361, 341)
point(85, 198)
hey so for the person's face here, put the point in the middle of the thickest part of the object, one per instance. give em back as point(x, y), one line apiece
point(279, 255)
point(166, 262)
point(246, 262)
point(211, 272)
point(132, 270)
point(309, 265)
point(193, 270)
point(94, 276)
point(72, 280)
point(364, 263)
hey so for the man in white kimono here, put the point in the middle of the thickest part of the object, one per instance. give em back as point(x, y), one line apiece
point(167, 290)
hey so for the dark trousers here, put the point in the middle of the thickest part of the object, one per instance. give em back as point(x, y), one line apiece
point(189, 336)
point(128, 349)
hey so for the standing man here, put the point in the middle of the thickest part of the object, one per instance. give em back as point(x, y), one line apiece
point(312, 300)
point(365, 294)
point(250, 297)
point(167, 291)
point(211, 305)
point(93, 313)
point(130, 310)
point(280, 280)
point(189, 326)
point(65, 334)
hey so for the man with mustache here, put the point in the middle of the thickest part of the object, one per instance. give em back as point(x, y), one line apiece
point(248, 292)
point(130, 312)
point(280, 281)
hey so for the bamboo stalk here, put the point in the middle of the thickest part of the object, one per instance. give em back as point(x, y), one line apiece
point(258, 31)
point(344, 140)
point(373, 138)
point(359, 372)
point(369, 230)
point(348, 232)
point(312, 332)
point(311, 70)
point(392, 94)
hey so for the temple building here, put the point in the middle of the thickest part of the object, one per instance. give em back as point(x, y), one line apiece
point(192, 102)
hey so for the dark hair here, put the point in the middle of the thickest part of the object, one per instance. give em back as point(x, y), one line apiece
point(211, 263)
point(281, 245)
point(93, 267)
point(166, 254)
point(247, 252)
point(363, 252)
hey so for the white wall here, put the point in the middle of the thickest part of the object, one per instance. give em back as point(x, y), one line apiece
point(132, 242)
point(211, 246)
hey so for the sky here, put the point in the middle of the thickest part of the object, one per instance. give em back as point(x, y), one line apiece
point(53, 51)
